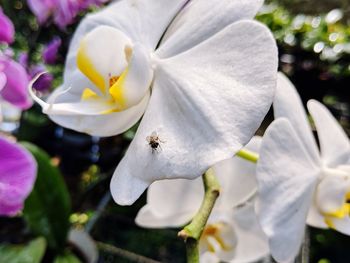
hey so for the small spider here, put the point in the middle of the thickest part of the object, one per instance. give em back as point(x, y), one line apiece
point(154, 142)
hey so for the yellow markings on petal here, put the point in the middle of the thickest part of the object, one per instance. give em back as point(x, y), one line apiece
point(212, 231)
point(329, 222)
point(86, 66)
point(88, 94)
point(341, 212)
point(118, 88)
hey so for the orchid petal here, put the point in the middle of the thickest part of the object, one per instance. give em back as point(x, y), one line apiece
point(108, 124)
point(194, 24)
point(140, 20)
point(219, 235)
point(17, 176)
point(286, 177)
point(341, 225)
point(315, 218)
point(205, 106)
point(41, 8)
point(331, 200)
point(331, 193)
point(288, 104)
point(171, 203)
point(96, 106)
point(135, 81)
point(50, 51)
point(44, 82)
point(65, 12)
point(335, 145)
point(101, 55)
point(15, 90)
point(7, 32)
point(252, 243)
point(3, 80)
point(208, 257)
point(237, 178)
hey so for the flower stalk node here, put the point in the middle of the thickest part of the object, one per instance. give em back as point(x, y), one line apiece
point(193, 231)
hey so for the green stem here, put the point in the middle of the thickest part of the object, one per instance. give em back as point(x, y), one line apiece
point(193, 231)
point(248, 155)
point(192, 251)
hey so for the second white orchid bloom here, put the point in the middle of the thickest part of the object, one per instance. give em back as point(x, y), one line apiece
point(297, 183)
point(202, 72)
point(232, 233)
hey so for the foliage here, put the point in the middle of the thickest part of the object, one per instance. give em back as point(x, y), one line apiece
point(47, 209)
point(324, 35)
point(33, 252)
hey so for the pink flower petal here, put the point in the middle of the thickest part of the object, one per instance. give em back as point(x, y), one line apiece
point(17, 176)
point(42, 9)
point(51, 50)
point(7, 32)
point(15, 91)
point(3, 80)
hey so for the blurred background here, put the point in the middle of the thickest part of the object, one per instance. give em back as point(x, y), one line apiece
point(314, 47)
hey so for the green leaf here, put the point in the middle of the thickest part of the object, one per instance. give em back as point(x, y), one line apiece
point(30, 253)
point(48, 207)
point(67, 257)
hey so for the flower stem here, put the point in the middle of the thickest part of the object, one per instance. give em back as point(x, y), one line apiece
point(193, 231)
point(248, 155)
point(125, 254)
point(305, 251)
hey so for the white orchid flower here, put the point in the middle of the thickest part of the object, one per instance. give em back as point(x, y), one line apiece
point(232, 233)
point(202, 72)
point(297, 182)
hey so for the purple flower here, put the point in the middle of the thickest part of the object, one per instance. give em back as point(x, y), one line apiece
point(50, 51)
point(7, 32)
point(45, 81)
point(42, 9)
point(17, 176)
point(23, 59)
point(66, 11)
point(62, 11)
point(14, 83)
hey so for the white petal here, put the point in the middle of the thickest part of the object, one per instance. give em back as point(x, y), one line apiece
point(219, 235)
point(100, 125)
point(331, 200)
point(88, 108)
point(252, 243)
point(288, 104)
point(286, 180)
point(331, 192)
point(205, 105)
point(208, 257)
point(237, 178)
point(148, 219)
point(201, 19)
point(171, 203)
point(335, 145)
point(143, 21)
point(315, 218)
point(342, 225)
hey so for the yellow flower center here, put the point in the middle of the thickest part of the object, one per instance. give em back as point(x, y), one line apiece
point(114, 93)
point(212, 240)
point(341, 213)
